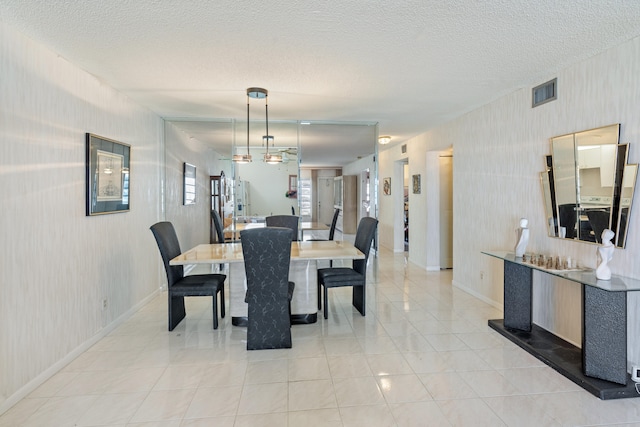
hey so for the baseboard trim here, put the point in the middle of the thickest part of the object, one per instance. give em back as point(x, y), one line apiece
point(481, 297)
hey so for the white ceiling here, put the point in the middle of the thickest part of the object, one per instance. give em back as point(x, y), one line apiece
point(407, 65)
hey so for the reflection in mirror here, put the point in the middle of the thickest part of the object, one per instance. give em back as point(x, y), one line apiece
point(320, 146)
point(331, 149)
point(583, 187)
point(261, 188)
point(564, 174)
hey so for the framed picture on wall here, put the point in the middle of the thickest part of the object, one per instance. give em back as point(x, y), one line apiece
point(386, 186)
point(189, 185)
point(416, 184)
point(107, 175)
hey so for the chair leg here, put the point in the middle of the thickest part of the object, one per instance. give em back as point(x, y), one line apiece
point(319, 299)
point(222, 313)
point(176, 310)
point(215, 310)
point(358, 298)
point(326, 303)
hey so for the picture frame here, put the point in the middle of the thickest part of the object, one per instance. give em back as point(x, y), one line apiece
point(416, 184)
point(107, 173)
point(386, 186)
point(189, 184)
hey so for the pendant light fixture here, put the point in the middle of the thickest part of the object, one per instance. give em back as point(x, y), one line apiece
point(256, 93)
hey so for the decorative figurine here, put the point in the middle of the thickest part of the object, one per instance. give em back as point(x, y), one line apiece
point(605, 254)
point(522, 234)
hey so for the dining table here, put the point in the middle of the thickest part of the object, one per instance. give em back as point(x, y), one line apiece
point(303, 270)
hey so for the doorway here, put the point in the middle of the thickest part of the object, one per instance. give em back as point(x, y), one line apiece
point(365, 195)
point(439, 195)
point(446, 209)
point(325, 200)
point(405, 205)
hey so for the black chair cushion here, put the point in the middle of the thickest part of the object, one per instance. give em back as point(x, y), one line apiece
point(198, 284)
point(340, 276)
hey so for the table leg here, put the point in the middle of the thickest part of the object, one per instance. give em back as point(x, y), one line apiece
point(517, 296)
point(604, 337)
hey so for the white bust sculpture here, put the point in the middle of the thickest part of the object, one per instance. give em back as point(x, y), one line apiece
point(522, 238)
point(605, 254)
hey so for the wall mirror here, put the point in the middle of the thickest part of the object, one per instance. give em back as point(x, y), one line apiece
point(258, 189)
point(587, 185)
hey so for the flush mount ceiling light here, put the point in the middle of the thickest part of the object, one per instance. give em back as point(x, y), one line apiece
point(384, 139)
point(256, 93)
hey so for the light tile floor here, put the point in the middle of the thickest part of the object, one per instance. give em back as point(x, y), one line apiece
point(423, 356)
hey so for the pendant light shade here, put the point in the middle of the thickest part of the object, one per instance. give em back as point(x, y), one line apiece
point(271, 159)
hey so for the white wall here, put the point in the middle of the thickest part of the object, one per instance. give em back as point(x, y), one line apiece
point(499, 152)
point(58, 264)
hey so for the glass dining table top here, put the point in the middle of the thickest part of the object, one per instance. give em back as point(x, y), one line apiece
point(585, 276)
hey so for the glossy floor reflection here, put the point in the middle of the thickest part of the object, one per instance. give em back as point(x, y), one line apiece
point(423, 356)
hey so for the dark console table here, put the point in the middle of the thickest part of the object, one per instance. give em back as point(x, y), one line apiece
point(600, 367)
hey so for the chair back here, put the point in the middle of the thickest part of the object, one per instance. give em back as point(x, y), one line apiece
point(364, 236)
point(599, 221)
point(217, 222)
point(332, 230)
point(287, 221)
point(567, 218)
point(169, 247)
point(267, 256)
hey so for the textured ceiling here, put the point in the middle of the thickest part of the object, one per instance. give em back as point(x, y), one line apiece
point(407, 65)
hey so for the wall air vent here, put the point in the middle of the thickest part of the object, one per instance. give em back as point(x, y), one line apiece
point(403, 148)
point(544, 93)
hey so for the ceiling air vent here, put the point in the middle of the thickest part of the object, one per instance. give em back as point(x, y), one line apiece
point(544, 93)
point(403, 148)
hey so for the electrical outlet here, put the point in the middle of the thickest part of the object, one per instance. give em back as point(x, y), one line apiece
point(104, 304)
point(635, 373)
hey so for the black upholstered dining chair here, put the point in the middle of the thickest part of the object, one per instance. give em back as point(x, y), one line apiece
point(287, 221)
point(217, 222)
point(599, 220)
point(332, 231)
point(267, 254)
point(356, 276)
point(179, 285)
